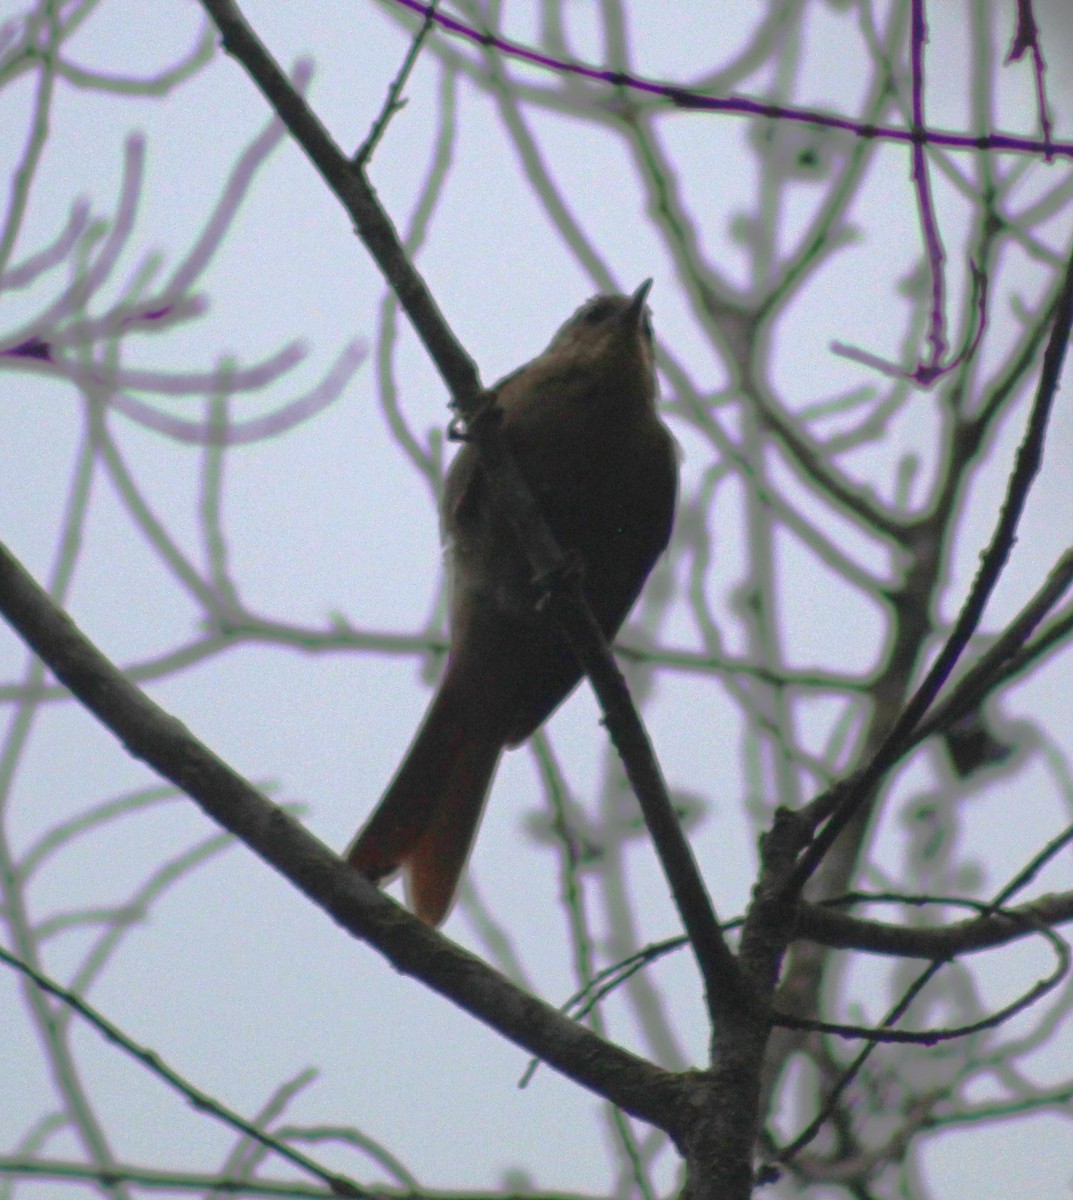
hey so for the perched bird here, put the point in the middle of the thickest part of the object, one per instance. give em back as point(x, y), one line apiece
point(582, 424)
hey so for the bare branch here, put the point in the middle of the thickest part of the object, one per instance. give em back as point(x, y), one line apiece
point(357, 905)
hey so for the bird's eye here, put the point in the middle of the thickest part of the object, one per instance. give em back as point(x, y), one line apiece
point(599, 311)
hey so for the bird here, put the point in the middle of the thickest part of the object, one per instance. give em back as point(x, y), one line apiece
point(582, 423)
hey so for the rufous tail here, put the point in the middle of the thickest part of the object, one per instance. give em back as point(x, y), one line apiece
point(428, 818)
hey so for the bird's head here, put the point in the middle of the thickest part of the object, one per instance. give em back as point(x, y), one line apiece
point(612, 333)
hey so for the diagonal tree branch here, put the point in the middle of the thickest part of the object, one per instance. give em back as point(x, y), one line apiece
point(719, 970)
point(154, 736)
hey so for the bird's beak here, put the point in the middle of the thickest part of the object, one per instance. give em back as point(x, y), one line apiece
point(632, 316)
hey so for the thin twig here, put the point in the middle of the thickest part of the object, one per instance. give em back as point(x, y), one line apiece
point(392, 102)
point(340, 1185)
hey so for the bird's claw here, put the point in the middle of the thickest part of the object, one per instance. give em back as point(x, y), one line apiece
point(467, 429)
